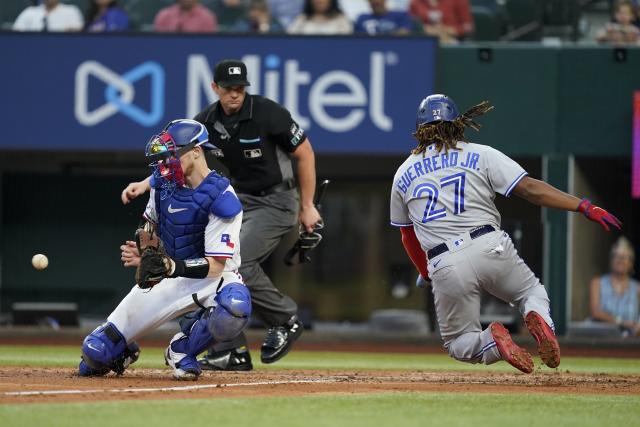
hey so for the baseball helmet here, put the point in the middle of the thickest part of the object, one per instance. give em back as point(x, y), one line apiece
point(186, 131)
point(436, 108)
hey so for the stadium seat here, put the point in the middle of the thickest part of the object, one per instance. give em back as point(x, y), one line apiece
point(143, 12)
point(9, 11)
point(488, 24)
point(521, 16)
point(561, 17)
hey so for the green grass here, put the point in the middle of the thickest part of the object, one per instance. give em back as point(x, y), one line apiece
point(61, 356)
point(387, 409)
point(397, 409)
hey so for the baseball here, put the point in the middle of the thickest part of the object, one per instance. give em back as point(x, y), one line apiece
point(40, 261)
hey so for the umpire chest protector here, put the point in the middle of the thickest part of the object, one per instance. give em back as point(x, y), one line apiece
point(183, 216)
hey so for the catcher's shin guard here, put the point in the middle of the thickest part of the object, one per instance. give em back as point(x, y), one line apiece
point(232, 312)
point(186, 345)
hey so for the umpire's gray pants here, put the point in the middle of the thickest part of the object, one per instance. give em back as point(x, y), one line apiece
point(265, 221)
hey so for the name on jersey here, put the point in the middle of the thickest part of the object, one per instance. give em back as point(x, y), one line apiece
point(434, 163)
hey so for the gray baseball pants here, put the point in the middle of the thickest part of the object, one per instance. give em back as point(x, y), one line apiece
point(491, 263)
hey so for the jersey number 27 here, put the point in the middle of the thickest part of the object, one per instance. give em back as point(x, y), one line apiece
point(432, 192)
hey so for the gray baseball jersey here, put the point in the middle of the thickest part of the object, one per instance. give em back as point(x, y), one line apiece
point(444, 194)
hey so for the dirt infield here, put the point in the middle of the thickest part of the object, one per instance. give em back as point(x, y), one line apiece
point(49, 385)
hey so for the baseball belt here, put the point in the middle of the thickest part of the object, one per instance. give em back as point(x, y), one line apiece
point(474, 233)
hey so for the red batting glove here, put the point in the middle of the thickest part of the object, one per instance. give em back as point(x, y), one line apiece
point(599, 215)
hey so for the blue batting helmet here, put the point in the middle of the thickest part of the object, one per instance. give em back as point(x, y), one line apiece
point(436, 108)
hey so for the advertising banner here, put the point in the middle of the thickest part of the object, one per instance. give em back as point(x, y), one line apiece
point(112, 92)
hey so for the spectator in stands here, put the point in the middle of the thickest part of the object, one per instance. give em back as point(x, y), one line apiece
point(106, 15)
point(622, 30)
point(321, 17)
point(230, 13)
point(285, 11)
point(449, 20)
point(186, 16)
point(383, 21)
point(614, 296)
point(49, 15)
point(259, 20)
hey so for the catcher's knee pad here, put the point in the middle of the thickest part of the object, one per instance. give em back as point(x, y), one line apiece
point(231, 314)
point(105, 349)
point(102, 347)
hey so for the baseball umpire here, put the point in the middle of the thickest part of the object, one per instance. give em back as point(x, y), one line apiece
point(258, 140)
point(442, 200)
point(186, 253)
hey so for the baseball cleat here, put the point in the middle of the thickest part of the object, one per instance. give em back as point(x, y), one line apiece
point(237, 359)
point(279, 340)
point(184, 367)
point(548, 347)
point(516, 356)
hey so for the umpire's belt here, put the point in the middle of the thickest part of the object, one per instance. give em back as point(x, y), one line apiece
point(474, 233)
point(278, 188)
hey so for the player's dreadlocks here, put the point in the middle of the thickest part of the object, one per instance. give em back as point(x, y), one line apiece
point(447, 134)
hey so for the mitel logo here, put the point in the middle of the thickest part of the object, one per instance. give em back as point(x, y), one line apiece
point(337, 99)
point(119, 93)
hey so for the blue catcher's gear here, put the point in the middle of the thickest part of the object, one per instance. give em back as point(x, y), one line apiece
point(232, 313)
point(105, 349)
point(186, 345)
point(184, 214)
point(436, 108)
point(186, 131)
point(164, 151)
point(223, 322)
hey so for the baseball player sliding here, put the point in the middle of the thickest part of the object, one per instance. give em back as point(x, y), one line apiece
point(197, 217)
point(442, 200)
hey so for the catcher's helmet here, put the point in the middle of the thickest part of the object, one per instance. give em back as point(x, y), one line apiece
point(186, 131)
point(164, 150)
point(436, 108)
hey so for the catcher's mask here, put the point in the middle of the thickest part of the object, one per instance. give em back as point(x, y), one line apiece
point(164, 151)
point(164, 159)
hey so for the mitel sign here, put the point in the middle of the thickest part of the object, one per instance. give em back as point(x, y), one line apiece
point(113, 92)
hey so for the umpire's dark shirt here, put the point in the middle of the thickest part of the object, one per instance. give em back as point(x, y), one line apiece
point(255, 142)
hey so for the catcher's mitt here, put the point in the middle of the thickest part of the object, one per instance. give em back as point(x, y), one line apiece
point(154, 265)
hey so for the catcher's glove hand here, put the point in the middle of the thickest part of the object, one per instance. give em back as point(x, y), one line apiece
point(155, 265)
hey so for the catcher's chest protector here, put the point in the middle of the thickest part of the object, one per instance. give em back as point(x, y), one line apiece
point(184, 215)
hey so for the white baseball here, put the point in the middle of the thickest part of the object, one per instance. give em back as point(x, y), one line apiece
point(40, 261)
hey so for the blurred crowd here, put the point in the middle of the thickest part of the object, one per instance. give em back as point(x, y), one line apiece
point(451, 21)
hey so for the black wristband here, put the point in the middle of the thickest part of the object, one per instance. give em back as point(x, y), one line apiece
point(195, 268)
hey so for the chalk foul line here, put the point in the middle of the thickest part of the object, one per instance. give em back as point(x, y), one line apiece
point(176, 388)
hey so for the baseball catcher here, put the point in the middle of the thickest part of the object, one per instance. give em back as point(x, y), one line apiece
point(186, 253)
